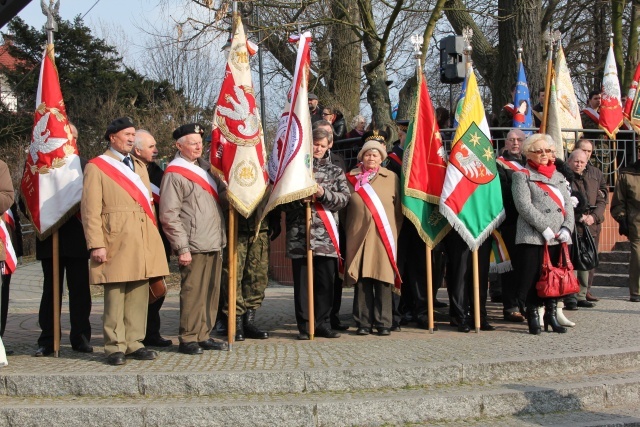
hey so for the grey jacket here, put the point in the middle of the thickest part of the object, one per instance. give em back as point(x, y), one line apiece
point(191, 218)
point(537, 209)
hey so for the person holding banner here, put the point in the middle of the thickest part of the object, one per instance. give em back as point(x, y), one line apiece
point(373, 221)
point(332, 194)
point(541, 197)
point(123, 239)
point(192, 220)
point(145, 150)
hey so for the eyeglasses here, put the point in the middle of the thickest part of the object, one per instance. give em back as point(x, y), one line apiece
point(540, 151)
point(326, 114)
point(515, 139)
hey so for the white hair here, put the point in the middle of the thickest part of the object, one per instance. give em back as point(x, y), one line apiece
point(137, 142)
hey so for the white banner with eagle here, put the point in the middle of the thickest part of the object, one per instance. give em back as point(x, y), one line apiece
point(237, 140)
point(52, 180)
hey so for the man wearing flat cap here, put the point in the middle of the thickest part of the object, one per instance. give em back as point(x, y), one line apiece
point(123, 240)
point(192, 220)
point(315, 109)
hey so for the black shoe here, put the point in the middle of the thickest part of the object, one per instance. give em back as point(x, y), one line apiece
point(395, 328)
point(363, 331)
point(384, 332)
point(571, 306)
point(634, 299)
point(213, 345)
point(221, 327)
point(9, 352)
point(82, 348)
point(251, 331)
point(424, 324)
point(339, 326)
point(303, 336)
point(486, 326)
point(586, 304)
point(45, 350)
point(116, 359)
point(324, 332)
point(439, 304)
point(239, 328)
point(190, 348)
point(143, 354)
point(157, 342)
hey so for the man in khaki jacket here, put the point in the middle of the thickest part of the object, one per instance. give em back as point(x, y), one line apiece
point(192, 220)
point(123, 240)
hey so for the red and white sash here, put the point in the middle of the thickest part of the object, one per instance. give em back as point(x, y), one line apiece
point(374, 204)
point(510, 108)
point(194, 173)
point(332, 228)
point(155, 192)
point(510, 164)
point(9, 219)
point(393, 156)
point(128, 180)
point(551, 190)
point(11, 259)
point(592, 114)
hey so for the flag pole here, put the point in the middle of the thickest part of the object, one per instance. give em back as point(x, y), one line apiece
point(310, 310)
point(547, 85)
point(476, 291)
point(429, 289)
point(231, 291)
point(50, 26)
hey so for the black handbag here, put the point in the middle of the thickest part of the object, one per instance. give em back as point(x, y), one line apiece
point(584, 253)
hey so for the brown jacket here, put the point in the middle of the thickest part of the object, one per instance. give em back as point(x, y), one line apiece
point(593, 186)
point(112, 219)
point(191, 218)
point(6, 197)
point(365, 256)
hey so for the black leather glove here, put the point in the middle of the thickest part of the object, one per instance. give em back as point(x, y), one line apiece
point(623, 226)
point(274, 225)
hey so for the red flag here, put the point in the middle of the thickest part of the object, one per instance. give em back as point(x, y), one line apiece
point(610, 107)
point(52, 180)
point(631, 113)
point(237, 144)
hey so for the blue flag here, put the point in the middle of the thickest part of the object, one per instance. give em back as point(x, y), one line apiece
point(458, 109)
point(522, 102)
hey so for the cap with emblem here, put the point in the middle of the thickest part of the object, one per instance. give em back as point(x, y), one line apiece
point(188, 129)
point(377, 135)
point(117, 125)
point(403, 125)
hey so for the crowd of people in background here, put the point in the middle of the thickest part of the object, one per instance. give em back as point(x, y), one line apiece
point(358, 239)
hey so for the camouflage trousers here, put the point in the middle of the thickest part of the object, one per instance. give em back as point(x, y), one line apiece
point(252, 271)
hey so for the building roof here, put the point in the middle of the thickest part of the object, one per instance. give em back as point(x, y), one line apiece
point(6, 60)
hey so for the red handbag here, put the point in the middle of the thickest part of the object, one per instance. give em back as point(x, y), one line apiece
point(556, 282)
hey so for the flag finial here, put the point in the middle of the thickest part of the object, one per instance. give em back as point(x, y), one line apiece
point(520, 49)
point(417, 41)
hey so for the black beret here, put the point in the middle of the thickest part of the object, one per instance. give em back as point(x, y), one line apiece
point(117, 125)
point(188, 130)
point(403, 125)
point(378, 135)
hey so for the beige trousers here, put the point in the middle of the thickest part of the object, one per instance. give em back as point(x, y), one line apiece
point(125, 316)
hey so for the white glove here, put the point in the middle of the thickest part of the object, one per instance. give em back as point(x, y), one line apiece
point(574, 201)
point(564, 236)
point(548, 235)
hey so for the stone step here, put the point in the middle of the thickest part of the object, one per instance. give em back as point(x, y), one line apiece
point(617, 280)
point(152, 383)
point(614, 256)
point(613, 268)
point(622, 246)
point(453, 403)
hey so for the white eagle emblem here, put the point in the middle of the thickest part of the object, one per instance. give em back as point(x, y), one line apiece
point(241, 112)
point(41, 142)
point(471, 164)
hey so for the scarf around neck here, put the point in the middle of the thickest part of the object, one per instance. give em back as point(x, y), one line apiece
point(546, 170)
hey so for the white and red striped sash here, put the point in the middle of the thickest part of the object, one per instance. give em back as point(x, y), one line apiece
point(551, 190)
point(194, 173)
point(374, 204)
point(592, 114)
point(9, 219)
point(128, 180)
point(155, 192)
point(11, 259)
point(332, 229)
point(510, 164)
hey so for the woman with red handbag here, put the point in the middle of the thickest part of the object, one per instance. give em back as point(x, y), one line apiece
point(542, 198)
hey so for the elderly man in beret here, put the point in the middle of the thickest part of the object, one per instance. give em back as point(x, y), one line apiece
point(123, 240)
point(192, 220)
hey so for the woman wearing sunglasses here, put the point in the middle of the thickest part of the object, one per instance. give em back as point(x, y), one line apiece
point(541, 196)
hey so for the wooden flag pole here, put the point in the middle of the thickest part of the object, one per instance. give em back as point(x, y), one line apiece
point(547, 87)
point(476, 292)
point(231, 292)
point(429, 289)
point(312, 326)
point(56, 294)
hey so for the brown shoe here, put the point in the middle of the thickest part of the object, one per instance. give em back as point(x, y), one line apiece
point(514, 317)
point(591, 297)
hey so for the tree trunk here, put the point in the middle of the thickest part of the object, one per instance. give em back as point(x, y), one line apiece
point(617, 9)
point(631, 60)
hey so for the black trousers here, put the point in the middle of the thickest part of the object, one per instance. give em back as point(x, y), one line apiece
point(529, 267)
point(77, 271)
point(510, 280)
point(337, 283)
point(324, 271)
point(4, 302)
point(153, 320)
